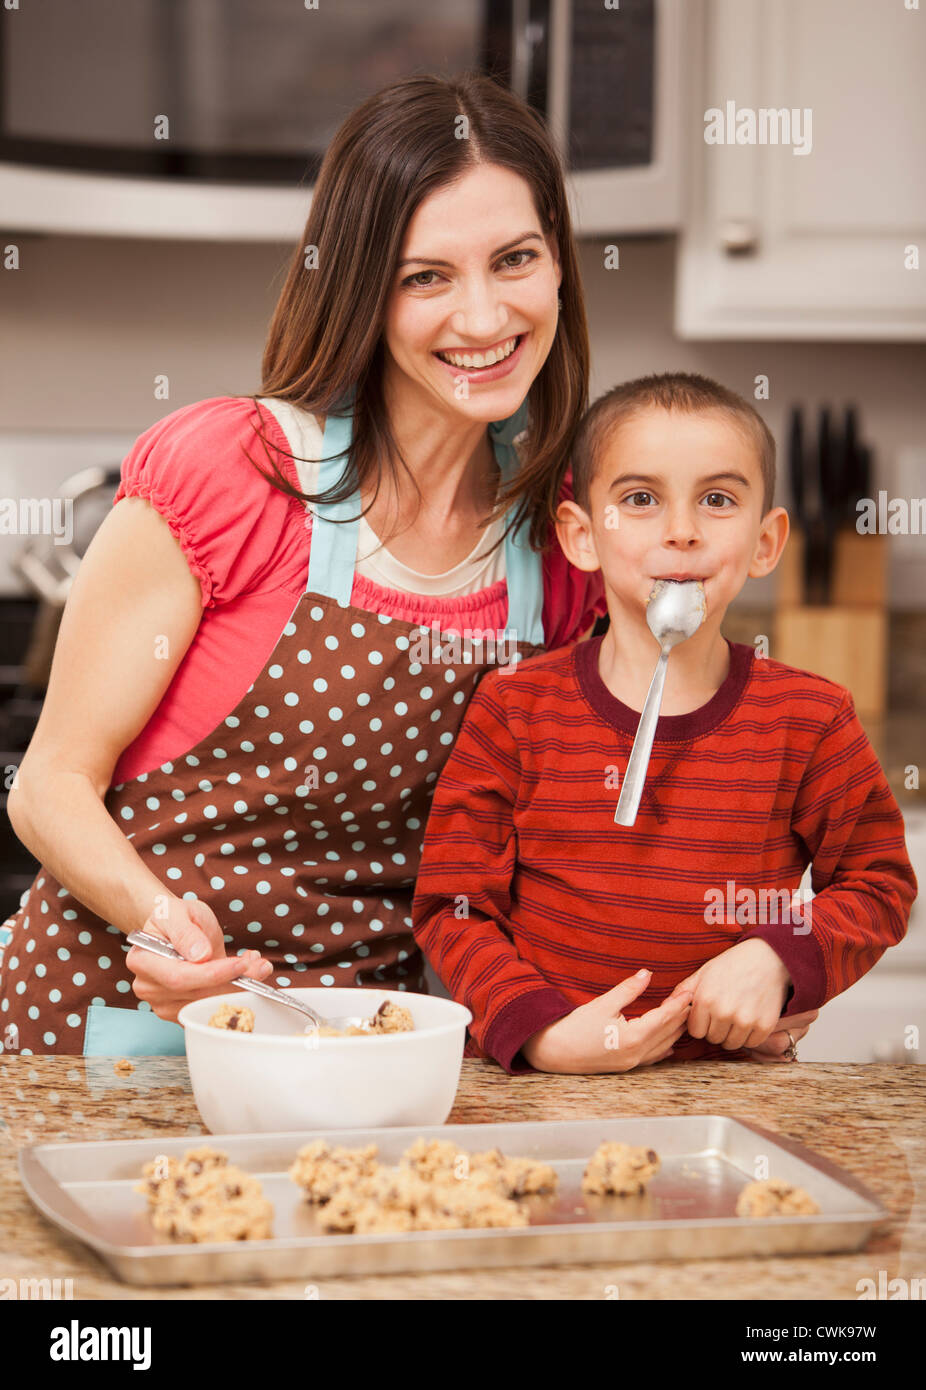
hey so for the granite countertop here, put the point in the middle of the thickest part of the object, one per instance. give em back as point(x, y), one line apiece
point(869, 1119)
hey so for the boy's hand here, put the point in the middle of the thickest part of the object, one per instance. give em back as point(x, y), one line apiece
point(596, 1038)
point(738, 996)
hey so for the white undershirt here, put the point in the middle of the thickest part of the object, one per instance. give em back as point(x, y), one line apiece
point(374, 561)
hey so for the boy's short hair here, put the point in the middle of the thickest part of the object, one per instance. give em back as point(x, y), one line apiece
point(684, 391)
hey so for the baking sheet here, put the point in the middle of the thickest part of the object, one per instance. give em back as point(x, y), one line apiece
point(688, 1211)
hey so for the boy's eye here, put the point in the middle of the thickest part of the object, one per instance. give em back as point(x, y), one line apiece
point(717, 500)
point(639, 499)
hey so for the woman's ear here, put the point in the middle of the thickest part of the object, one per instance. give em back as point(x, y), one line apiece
point(574, 532)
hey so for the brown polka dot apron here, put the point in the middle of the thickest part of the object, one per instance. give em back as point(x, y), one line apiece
point(299, 819)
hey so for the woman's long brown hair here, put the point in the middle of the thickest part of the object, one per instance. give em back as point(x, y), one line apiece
point(390, 153)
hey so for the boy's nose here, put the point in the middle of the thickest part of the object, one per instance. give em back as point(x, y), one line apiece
point(681, 527)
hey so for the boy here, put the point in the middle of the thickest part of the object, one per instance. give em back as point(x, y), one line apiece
point(535, 908)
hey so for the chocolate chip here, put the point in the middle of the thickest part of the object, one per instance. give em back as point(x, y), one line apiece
point(651, 1155)
point(233, 1021)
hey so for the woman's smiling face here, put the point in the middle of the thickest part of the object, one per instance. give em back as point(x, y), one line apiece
point(475, 273)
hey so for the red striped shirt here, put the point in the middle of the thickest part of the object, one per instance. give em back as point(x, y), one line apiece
point(774, 772)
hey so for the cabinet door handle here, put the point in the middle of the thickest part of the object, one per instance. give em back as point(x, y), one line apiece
point(739, 236)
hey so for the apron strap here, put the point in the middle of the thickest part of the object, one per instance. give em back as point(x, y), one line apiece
point(333, 552)
point(523, 568)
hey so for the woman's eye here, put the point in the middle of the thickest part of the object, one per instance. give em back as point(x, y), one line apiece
point(531, 256)
point(714, 497)
point(416, 281)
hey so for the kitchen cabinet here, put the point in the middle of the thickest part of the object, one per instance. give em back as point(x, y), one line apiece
point(820, 237)
point(869, 1120)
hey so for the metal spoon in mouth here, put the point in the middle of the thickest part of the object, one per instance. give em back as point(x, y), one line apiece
point(674, 610)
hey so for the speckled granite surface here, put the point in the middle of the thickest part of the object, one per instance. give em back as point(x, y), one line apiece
point(869, 1119)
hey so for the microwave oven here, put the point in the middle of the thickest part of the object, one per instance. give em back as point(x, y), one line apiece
point(190, 118)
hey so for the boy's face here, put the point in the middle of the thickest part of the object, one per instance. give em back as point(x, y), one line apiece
point(677, 496)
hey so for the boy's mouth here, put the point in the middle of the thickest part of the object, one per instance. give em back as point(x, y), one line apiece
point(682, 578)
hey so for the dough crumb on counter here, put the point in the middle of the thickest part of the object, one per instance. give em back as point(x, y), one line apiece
point(203, 1197)
point(775, 1197)
point(619, 1169)
point(235, 1017)
point(123, 1067)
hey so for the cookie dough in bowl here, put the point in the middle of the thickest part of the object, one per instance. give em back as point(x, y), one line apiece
point(275, 1077)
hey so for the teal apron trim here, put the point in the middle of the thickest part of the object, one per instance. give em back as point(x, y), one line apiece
point(333, 552)
point(131, 1033)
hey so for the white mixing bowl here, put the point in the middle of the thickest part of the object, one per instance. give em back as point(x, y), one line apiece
point(279, 1078)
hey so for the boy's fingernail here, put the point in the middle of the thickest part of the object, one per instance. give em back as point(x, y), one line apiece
point(199, 952)
point(642, 974)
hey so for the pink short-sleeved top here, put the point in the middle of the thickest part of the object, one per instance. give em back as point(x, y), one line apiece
point(248, 545)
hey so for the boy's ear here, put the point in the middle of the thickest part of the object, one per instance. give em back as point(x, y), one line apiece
point(574, 531)
point(773, 534)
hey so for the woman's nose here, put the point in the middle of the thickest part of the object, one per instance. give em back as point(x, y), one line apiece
point(481, 318)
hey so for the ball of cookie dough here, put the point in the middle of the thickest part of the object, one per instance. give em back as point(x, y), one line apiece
point(392, 1018)
point(774, 1197)
point(429, 1157)
point(202, 1197)
point(216, 1204)
point(165, 1178)
point(321, 1171)
point(438, 1159)
point(525, 1177)
point(401, 1200)
point(472, 1204)
point(235, 1017)
point(619, 1169)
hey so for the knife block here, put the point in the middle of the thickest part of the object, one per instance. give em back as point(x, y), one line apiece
point(847, 639)
point(859, 570)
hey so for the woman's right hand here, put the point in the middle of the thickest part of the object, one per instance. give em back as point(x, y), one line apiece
point(192, 928)
point(593, 1038)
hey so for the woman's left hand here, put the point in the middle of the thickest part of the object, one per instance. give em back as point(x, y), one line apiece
point(777, 1043)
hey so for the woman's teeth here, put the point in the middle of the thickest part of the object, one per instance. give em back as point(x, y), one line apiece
point(480, 359)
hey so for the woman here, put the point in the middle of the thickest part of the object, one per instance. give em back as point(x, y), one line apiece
point(249, 772)
point(240, 741)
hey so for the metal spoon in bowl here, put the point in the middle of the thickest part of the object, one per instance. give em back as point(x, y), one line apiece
point(675, 610)
point(148, 942)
